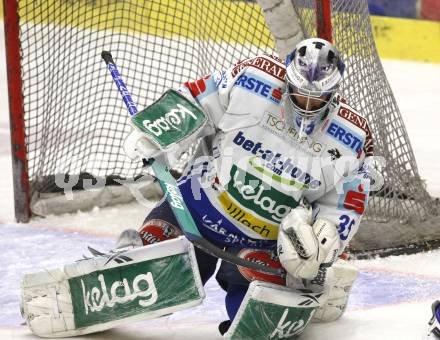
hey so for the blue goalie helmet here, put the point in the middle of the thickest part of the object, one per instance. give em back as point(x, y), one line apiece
point(313, 73)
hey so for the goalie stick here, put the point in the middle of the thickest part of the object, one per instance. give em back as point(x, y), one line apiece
point(166, 181)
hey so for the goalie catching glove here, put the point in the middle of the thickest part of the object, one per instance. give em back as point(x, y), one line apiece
point(303, 247)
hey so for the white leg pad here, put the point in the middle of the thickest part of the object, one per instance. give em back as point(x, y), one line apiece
point(270, 311)
point(102, 292)
point(340, 278)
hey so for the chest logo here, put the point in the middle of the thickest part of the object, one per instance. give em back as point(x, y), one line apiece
point(258, 196)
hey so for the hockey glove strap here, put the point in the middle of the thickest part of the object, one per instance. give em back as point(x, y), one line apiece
point(136, 146)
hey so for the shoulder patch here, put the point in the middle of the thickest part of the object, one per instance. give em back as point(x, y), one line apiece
point(201, 87)
point(266, 64)
point(362, 123)
point(346, 136)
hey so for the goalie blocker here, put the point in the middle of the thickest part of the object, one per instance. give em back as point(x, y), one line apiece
point(102, 292)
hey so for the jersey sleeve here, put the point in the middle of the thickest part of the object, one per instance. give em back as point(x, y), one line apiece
point(232, 98)
point(345, 201)
point(345, 204)
point(212, 92)
point(220, 93)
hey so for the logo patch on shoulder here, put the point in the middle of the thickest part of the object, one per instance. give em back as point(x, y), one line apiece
point(354, 198)
point(346, 136)
point(260, 87)
point(361, 123)
point(264, 64)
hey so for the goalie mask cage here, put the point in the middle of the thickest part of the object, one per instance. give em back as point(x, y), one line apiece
point(68, 122)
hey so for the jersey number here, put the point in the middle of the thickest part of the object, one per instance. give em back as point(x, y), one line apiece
point(345, 226)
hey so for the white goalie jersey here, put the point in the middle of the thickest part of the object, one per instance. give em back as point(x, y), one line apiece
point(257, 167)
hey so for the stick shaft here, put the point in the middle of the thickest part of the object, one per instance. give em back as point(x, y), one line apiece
point(131, 106)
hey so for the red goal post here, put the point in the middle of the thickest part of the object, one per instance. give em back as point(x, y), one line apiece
point(16, 113)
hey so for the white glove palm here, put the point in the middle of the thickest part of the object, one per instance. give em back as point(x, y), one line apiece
point(302, 248)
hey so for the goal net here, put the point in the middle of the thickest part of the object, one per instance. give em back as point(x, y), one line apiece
point(69, 123)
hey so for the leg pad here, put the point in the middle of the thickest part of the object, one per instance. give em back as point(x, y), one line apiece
point(271, 311)
point(102, 292)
